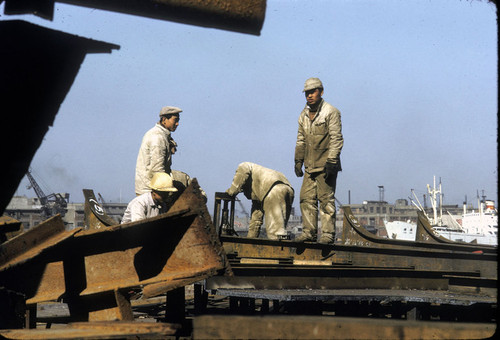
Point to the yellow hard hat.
(162, 181)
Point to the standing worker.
(318, 147)
(157, 201)
(155, 154)
(271, 195)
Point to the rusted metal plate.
(97, 330)
(34, 242)
(156, 254)
(9, 228)
(9, 224)
(45, 79)
(234, 15)
(325, 327)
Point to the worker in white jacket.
(271, 195)
(155, 154)
(153, 203)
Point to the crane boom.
(51, 204)
(39, 192)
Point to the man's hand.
(298, 169)
(331, 168)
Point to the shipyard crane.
(52, 204)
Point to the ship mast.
(433, 193)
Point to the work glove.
(298, 169)
(331, 168)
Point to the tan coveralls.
(154, 156)
(271, 195)
(318, 140)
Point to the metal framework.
(362, 268)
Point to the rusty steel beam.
(45, 79)
(94, 268)
(244, 16)
(361, 260)
(9, 227)
(34, 242)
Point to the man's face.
(172, 123)
(160, 197)
(313, 97)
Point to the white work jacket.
(154, 156)
(142, 207)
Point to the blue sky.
(415, 81)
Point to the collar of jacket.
(320, 105)
(151, 201)
(163, 129)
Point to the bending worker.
(157, 147)
(153, 203)
(271, 195)
(318, 147)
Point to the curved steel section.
(95, 215)
(354, 234)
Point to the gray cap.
(169, 110)
(312, 83)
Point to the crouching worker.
(182, 181)
(271, 195)
(153, 203)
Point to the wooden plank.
(97, 330)
(326, 327)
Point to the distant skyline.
(415, 81)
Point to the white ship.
(401, 230)
(479, 226)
